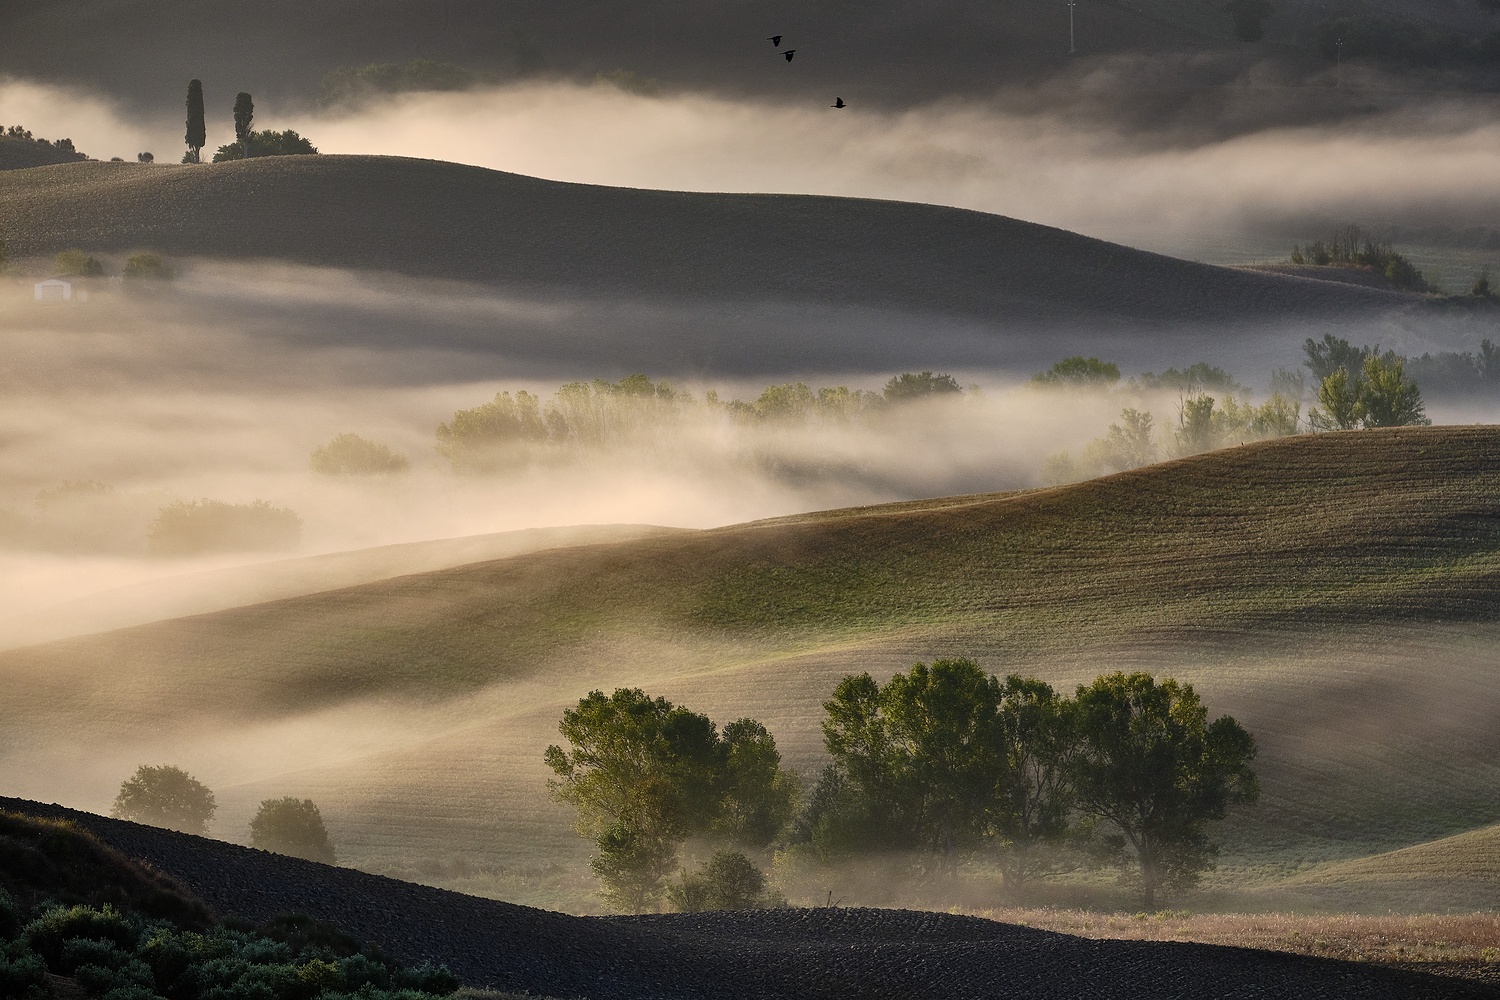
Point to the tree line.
(247, 141)
(168, 796)
(600, 413)
(942, 762)
(1354, 387)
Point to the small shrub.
(352, 455)
(214, 526)
(49, 934)
(147, 267)
(727, 881)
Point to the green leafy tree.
(1079, 372)
(1129, 444)
(165, 796)
(1039, 742)
(917, 760)
(1151, 764)
(757, 796)
(909, 386)
(292, 826)
(482, 438)
(1339, 396)
(197, 129)
(351, 455)
(1387, 396)
(644, 775)
(1332, 353)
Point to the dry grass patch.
(1448, 942)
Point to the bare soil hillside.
(430, 218)
(801, 953)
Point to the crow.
(838, 102)
(775, 40)
(789, 53)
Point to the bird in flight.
(838, 102)
(789, 53)
(775, 40)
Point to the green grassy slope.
(1337, 593)
(440, 219)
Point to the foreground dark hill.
(435, 219)
(833, 952)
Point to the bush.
(77, 264)
(266, 143)
(727, 881)
(214, 526)
(352, 455)
(165, 796)
(147, 267)
(51, 934)
(292, 826)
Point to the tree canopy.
(1150, 763)
(644, 775)
(292, 826)
(165, 796)
(1080, 373)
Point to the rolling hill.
(442, 220)
(1336, 593)
(816, 952)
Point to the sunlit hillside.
(1335, 592)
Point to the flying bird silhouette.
(775, 40)
(789, 53)
(838, 102)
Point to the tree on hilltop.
(165, 796)
(197, 129)
(292, 826)
(244, 116)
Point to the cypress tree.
(244, 114)
(197, 132)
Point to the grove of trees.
(943, 762)
(349, 454)
(512, 427)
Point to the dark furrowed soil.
(786, 953)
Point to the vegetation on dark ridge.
(78, 916)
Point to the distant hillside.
(430, 218)
(1308, 586)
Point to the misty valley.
(774, 500)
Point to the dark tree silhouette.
(244, 116)
(197, 131)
